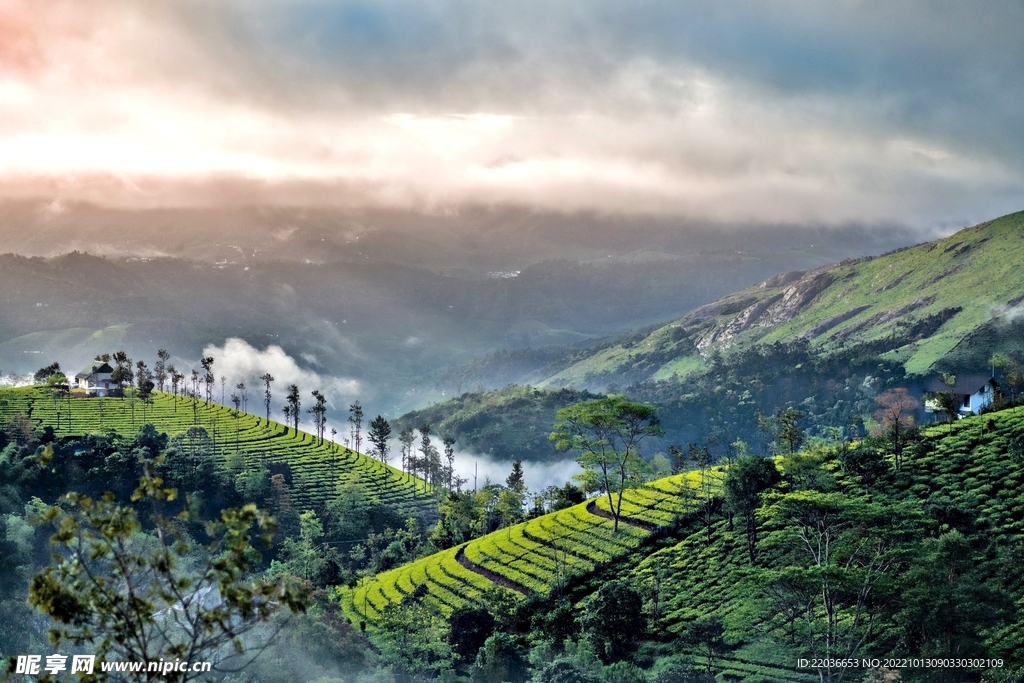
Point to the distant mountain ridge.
(916, 304)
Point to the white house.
(95, 378)
(974, 392)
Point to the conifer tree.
(267, 378)
(380, 431)
(355, 418)
(160, 370)
(294, 405)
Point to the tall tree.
(294, 404)
(243, 394)
(319, 413)
(355, 418)
(267, 379)
(449, 454)
(790, 433)
(122, 373)
(176, 378)
(160, 370)
(897, 416)
(144, 388)
(407, 437)
(513, 498)
(428, 454)
(607, 433)
(516, 480)
(746, 480)
(237, 401)
(701, 458)
(380, 432)
(58, 385)
(207, 363)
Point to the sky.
(796, 112)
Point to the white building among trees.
(95, 379)
(973, 393)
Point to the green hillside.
(316, 469)
(915, 304)
(530, 558)
(936, 546)
(964, 479)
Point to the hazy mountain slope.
(926, 299)
(506, 424)
(395, 328)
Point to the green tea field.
(317, 469)
(533, 557)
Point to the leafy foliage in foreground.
(135, 597)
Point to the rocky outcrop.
(795, 297)
(782, 279)
(772, 310)
(948, 271)
(895, 282)
(823, 327)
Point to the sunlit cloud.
(813, 115)
(238, 361)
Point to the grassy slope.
(971, 465)
(316, 469)
(966, 466)
(977, 270)
(538, 555)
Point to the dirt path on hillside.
(505, 582)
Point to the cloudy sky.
(796, 112)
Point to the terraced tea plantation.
(533, 557)
(316, 468)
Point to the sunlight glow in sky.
(789, 112)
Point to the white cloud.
(806, 113)
(538, 475)
(240, 362)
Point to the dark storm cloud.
(947, 67)
(740, 111)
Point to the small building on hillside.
(95, 379)
(974, 392)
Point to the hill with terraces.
(958, 491)
(532, 558)
(316, 467)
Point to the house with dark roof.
(974, 392)
(95, 379)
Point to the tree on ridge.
(607, 433)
